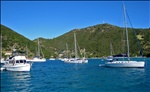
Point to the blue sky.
(50, 19)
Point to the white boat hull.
(64, 59)
(2, 68)
(126, 64)
(37, 60)
(3, 62)
(109, 58)
(76, 61)
(73, 61)
(85, 61)
(19, 67)
(52, 59)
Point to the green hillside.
(95, 39)
(11, 39)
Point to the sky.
(50, 19)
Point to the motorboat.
(17, 63)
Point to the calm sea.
(57, 76)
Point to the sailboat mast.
(75, 42)
(38, 48)
(67, 49)
(1, 46)
(110, 49)
(84, 52)
(42, 53)
(126, 31)
(27, 51)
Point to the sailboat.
(111, 53)
(85, 60)
(52, 58)
(37, 57)
(76, 59)
(66, 58)
(126, 63)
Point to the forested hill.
(95, 39)
(12, 39)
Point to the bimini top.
(121, 55)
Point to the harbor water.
(57, 76)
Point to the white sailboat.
(126, 63)
(37, 57)
(76, 59)
(18, 62)
(66, 58)
(85, 60)
(51, 58)
(111, 53)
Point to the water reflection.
(19, 81)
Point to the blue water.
(57, 76)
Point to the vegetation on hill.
(12, 40)
(95, 39)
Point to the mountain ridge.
(95, 39)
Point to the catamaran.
(126, 63)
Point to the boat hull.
(22, 67)
(3, 62)
(85, 61)
(126, 64)
(37, 60)
(52, 59)
(76, 61)
(109, 58)
(73, 61)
